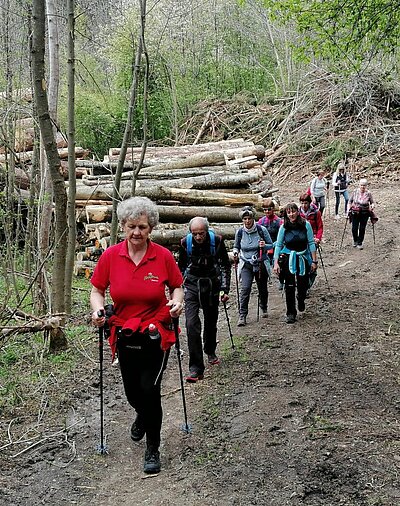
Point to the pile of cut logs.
(22, 155)
(213, 180)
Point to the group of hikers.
(149, 289)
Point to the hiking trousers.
(142, 361)
(293, 281)
(247, 275)
(358, 226)
(195, 301)
(320, 202)
(337, 202)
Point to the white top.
(318, 187)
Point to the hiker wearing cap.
(361, 205)
(295, 256)
(252, 242)
(318, 188)
(340, 182)
(204, 262)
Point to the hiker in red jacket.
(137, 273)
(312, 214)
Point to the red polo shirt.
(137, 291)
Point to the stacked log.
(23, 162)
(213, 180)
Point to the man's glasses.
(268, 208)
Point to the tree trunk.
(167, 152)
(97, 214)
(60, 196)
(160, 193)
(215, 180)
(210, 158)
(69, 265)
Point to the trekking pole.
(101, 448)
(344, 231)
(373, 232)
(323, 266)
(185, 427)
(258, 289)
(236, 279)
(228, 322)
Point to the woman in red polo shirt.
(137, 273)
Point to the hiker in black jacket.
(204, 263)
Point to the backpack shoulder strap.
(260, 232)
(189, 243)
(212, 242)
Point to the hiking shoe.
(337, 217)
(152, 463)
(137, 430)
(242, 321)
(355, 245)
(194, 377)
(213, 360)
(290, 318)
(360, 246)
(301, 305)
(264, 313)
(281, 286)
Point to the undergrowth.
(34, 384)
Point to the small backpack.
(189, 243)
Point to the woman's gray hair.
(133, 208)
(363, 181)
(199, 218)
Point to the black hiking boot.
(137, 430)
(290, 318)
(301, 305)
(152, 463)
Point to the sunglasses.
(268, 208)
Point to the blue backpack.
(189, 243)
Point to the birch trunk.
(60, 196)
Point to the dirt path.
(304, 414)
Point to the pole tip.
(186, 428)
(102, 449)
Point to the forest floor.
(303, 414)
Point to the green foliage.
(99, 121)
(208, 68)
(348, 33)
(239, 353)
(340, 150)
